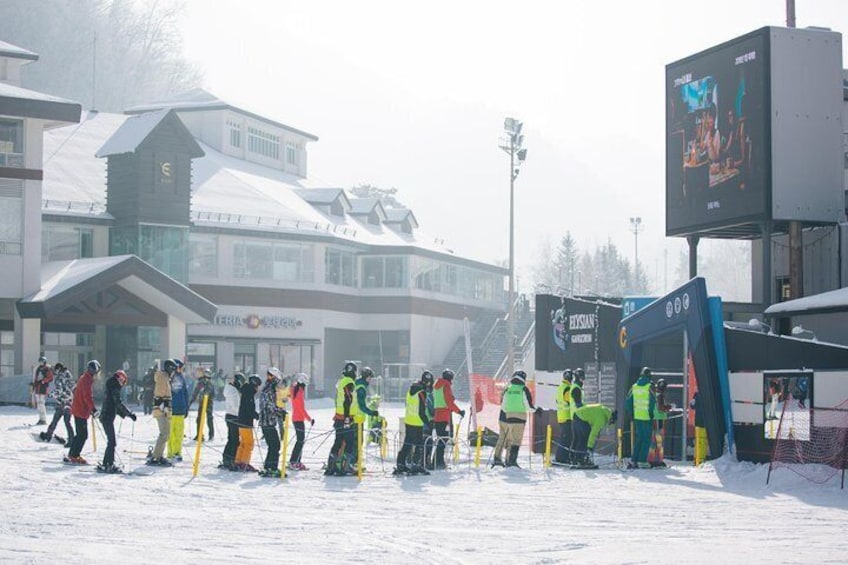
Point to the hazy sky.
(413, 96)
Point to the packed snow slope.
(722, 512)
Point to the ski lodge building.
(190, 228)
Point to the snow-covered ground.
(720, 513)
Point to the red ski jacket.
(298, 398)
(444, 414)
(83, 403)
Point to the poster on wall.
(717, 138)
(787, 405)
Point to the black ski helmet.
(366, 373)
(568, 375)
(238, 379)
(448, 375)
(427, 378)
(349, 369)
(169, 366)
(58, 366)
(520, 375)
(255, 381)
(579, 375)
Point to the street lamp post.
(636, 227)
(512, 143)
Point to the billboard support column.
(767, 275)
(796, 260)
(693, 240)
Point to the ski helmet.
(274, 372)
(568, 375)
(520, 375)
(448, 375)
(238, 379)
(579, 375)
(255, 380)
(58, 366)
(121, 377)
(661, 385)
(178, 363)
(366, 373)
(427, 378)
(302, 378)
(93, 367)
(42, 360)
(349, 369)
(169, 366)
(645, 372)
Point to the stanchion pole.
(620, 449)
(384, 442)
(479, 446)
(283, 468)
(548, 435)
(93, 434)
(200, 427)
(359, 454)
(456, 442)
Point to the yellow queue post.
(548, 436)
(478, 447)
(384, 444)
(93, 433)
(456, 442)
(359, 454)
(620, 434)
(285, 446)
(200, 428)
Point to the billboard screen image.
(717, 116)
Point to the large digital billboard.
(718, 139)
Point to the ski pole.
(132, 442)
(327, 435)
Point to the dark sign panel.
(717, 138)
(571, 333)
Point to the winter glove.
(376, 414)
(347, 421)
(462, 413)
(312, 422)
(94, 412)
(133, 417)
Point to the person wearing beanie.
(641, 403)
(232, 400)
(113, 406)
(444, 406)
(247, 415)
(563, 407)
(62, 394)
(515, 402)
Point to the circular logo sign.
(669, 309)
(677, 305)
(686, 301)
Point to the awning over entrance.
(831, 302)
(119, 289)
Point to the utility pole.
(796, 234)
(635, 227)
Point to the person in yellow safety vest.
(656, 453)
(444, 405)
(360, 391)
(576, 394)
(339, 461)
(410, 459)
(563, 407)
(641, 404)
(515, 403)
(588, 421)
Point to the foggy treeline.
(566, 269)
(134, 45)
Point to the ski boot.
(44, 436)
(418, 470)
(330, 468)
(270, 473)
(401, 470)
(111, 469)
(512, 460)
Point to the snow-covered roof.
(131, 133)
(321, 195)
(25, 103)
(15, 52)
(199, 99)
(11, 91)
(366, 206)
(830, 302)
(227, 192)
(400, 215)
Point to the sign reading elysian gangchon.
(255, 321)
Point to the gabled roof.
(25, 103)
(367, 206)
(199, 100)
(137, 129)
(400, 215)
(15, 52)
(324, 196)
(65, 283)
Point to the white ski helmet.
(302, 378)
(274, 372)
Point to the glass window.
(278, 261)
(203, 254)
(263, 143)
(166, 248)
(396, 272)
(291, 153)
(65, 243)
(372, 272)
(428, 275)
(11, 225)
(339, 265)
(384, 272)
(7, 362)
(11, 143)
(235, 132)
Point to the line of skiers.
(579, 424)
